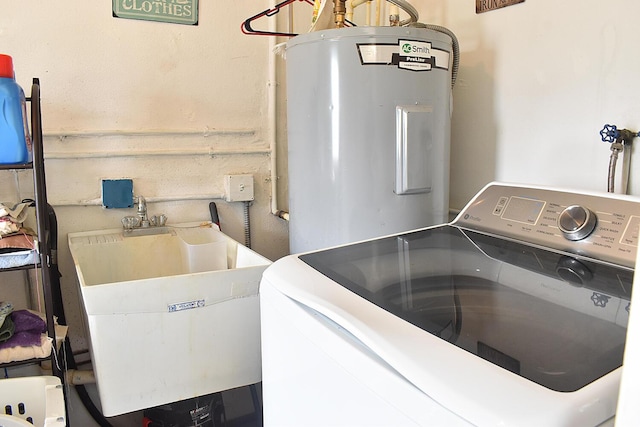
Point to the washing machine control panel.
(599, 226)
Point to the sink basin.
(170, 316)
(111, 256)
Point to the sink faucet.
(142, 220)
(142, 212)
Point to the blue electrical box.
(117, 193)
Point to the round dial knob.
(573, 271)
(576, 222)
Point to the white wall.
(537, 82)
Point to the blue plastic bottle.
(15, 140)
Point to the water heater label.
(406, 54)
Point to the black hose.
(56, 292)
(58, 309)
(213, 211)
(83, 394)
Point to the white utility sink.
(170, 316)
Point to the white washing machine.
(514, 314)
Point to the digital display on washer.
(546, 316)
(523, 210)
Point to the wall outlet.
(238, 188)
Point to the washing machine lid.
(543, 315)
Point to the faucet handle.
(158, 220)
(129, 222)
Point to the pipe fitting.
(339, 10)
(77, 377)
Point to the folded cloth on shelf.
(23, 239)
(8, 226)
(6, 324)
(39, 351)
(12, 215)
(28, 328)
(5, 310)
(7, 329)
(15, 211)
(17, 258)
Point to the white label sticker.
(377, 53)
(186, 305)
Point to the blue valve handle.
(609, 133)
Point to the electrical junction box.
(117, 193)
(238, 188)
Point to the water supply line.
(351, 5)
(402, 4)
(620, 141)
(410, 10)
(394, 16)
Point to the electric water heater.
(369, 117)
